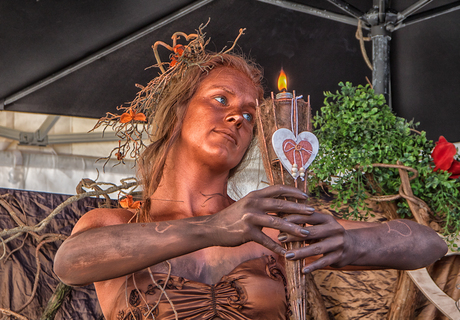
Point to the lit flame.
(282, 81)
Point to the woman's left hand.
(397, 244)
(327, 237)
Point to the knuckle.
(317, 249)
(247, 217)
(283, 189)
(279, 204)
(341, 230)
(321, 263)
(273, 220)
(252, 202)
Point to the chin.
(223, 158)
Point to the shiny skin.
(203, 233)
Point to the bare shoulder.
(102, 217)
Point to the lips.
(229, 135)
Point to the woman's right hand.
(243, 221)
(97, 252)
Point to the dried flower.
(128, 203)
(443, 156)
(131, 115)
(178, 50)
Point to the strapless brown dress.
(255, 289)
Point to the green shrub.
(356, 129)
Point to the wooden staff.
(305, 299)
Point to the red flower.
(443, 156)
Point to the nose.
(236, 119)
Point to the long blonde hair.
(170, 113)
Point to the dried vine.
(33, 230)
(21, 229)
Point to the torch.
(288, 148)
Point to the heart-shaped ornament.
(300, 150)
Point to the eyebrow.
(230, 91)
(252, 106)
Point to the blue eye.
(221, 100)
(247, 116)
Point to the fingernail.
(283, 252)
(305, 232)
(282, 237)
(305, 195)
(289, 255)
(306, 270)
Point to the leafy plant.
(356, 129)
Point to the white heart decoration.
(291, 149)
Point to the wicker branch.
(16, 232)
(8, 312)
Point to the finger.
(315, 218)
(279, 191)
(320, 225)
(324, 261)
(285, 237)
(280, 205)
(326, 246)
(274, 222)
(298, 218)
(268, 243)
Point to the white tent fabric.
(56, 173)
(61, 174)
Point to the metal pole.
(46, 126)
(380, 49)
(314, 11)
(429, 14)
(348, 8)
(381, 60)
(413, 8)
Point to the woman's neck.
(187, 189)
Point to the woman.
(197, 254)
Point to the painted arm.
(103, 246)
(399, 244)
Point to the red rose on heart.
(443, 156)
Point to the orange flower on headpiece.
(443, 156)
(128, 203)
(131, 115)
(178, 50)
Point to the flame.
(282, 81)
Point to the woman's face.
(219, 122)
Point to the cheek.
(247, 141)
(249, 133)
